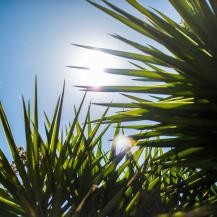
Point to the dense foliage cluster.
(72, 175)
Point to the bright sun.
(96, 62)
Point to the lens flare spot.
(123, 143)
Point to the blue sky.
(35, 40)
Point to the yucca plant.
(69, 174)
(184, 105)
(44, 179)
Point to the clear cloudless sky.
(35, 40)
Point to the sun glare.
(96, 62)
(123, 143)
